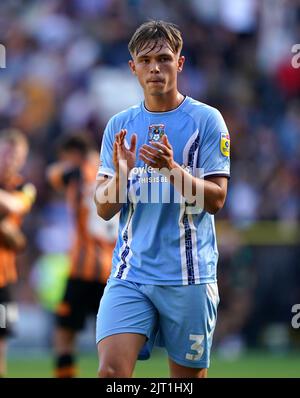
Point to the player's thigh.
(187, 322)
(123, 310)
(72, 311)
(118, 354)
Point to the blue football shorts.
(180, 318)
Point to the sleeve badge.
(225, 144)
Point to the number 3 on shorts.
(198, 339)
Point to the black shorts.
(8, 312)
(81, 299)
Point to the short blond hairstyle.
(154, 32)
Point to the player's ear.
(132, 66)
(181, 60)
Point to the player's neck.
(163, 103)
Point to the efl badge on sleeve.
(225, 144)
(156, 132)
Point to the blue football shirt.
(160, 240)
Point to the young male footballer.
(163, 286)
(91, 251)
(16, 200)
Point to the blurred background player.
(16, 199)
(91, 252)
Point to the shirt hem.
(160, 282)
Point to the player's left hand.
(159, 157)
(29, 192)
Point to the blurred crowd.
(66, 71)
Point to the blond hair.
(155, 32)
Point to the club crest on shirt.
(225, 144)
(156, 131)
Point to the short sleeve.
(106, 166)
(214, 150)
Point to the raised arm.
(60, 173)
(18, 204)
(9, 204)
(212, 191)
(111, 193)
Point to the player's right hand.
(29, 191)
(124, 158)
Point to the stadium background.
(66, 71)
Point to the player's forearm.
(10, 204)
(54, 174)
(110, 196)
(11, 237)
(206, 194)
(60, 174)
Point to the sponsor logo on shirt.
(225, 144)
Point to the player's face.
(12, 158)
(157, 68)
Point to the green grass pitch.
(252, 365)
